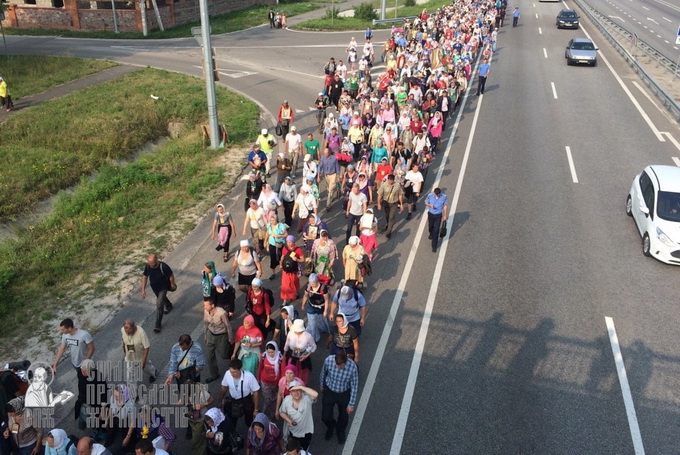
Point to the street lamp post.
(209, 75)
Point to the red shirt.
(416, 125)
(261, 303)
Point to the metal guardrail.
(394, 19)
(599, 20)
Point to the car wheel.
(569, 62)
(646, 245)
(594, 63)
(629, 206)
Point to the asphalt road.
(655, 21)
(497, 343)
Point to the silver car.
(581, 50)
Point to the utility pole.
(115, 19)
(209, 75)
(142, 10)
(382, 9)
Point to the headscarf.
(59, 437)
(206, 281)
(276, 358)
(255, 442)
(344, 318)
(217, 417)
(290, 309)
(252, 333)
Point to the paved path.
(68, 88)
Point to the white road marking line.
(644, 115)
(545, 53)
(554, 90)
(625, 388)
(666, 19)
(400, 429)
(536, 15)
(299, 111)
(666, 41)
(572, 168)
(362, 405)
(677, 161)
(540, 32)
(672, 139)
(644, 7)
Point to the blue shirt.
(437, 202)
(328, 165)
(350, 307)
(484, 69)
(194, 357)
(340, 380)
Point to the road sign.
(677, 38)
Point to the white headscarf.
(59, 437)
(217, 417)
(276, 358)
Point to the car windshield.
(583, 46)
(668, 207)
(568, 15)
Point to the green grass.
(231, 22)
(93, 227)
(29, 74)
(51, 146)
(350, 23)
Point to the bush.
(332, 13)
(365, 12)
(409, 2)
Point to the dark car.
(567, 18)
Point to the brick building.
(98, 15)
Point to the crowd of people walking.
(381, 117)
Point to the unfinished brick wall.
(72, 17)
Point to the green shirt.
(312, 148)
(353, 83)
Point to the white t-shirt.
(78, 344)
(255, 217)
(356, 203)
(306, 204)
(416, 179)
(294, 141)
(247, 382)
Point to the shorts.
(245, 280)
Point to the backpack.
(356, 295)
(72, 441)
(365, 266)
(289, 264)
(268, 293)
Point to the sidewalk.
(68, 88)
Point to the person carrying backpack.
(351, 302)
(259, 303)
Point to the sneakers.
(273, 275)
(388, 235)
(219, 247)
(157, 330)
(409, 216)
(152, 378)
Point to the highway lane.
(654, 21)
(517, 358)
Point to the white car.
(654, 204)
